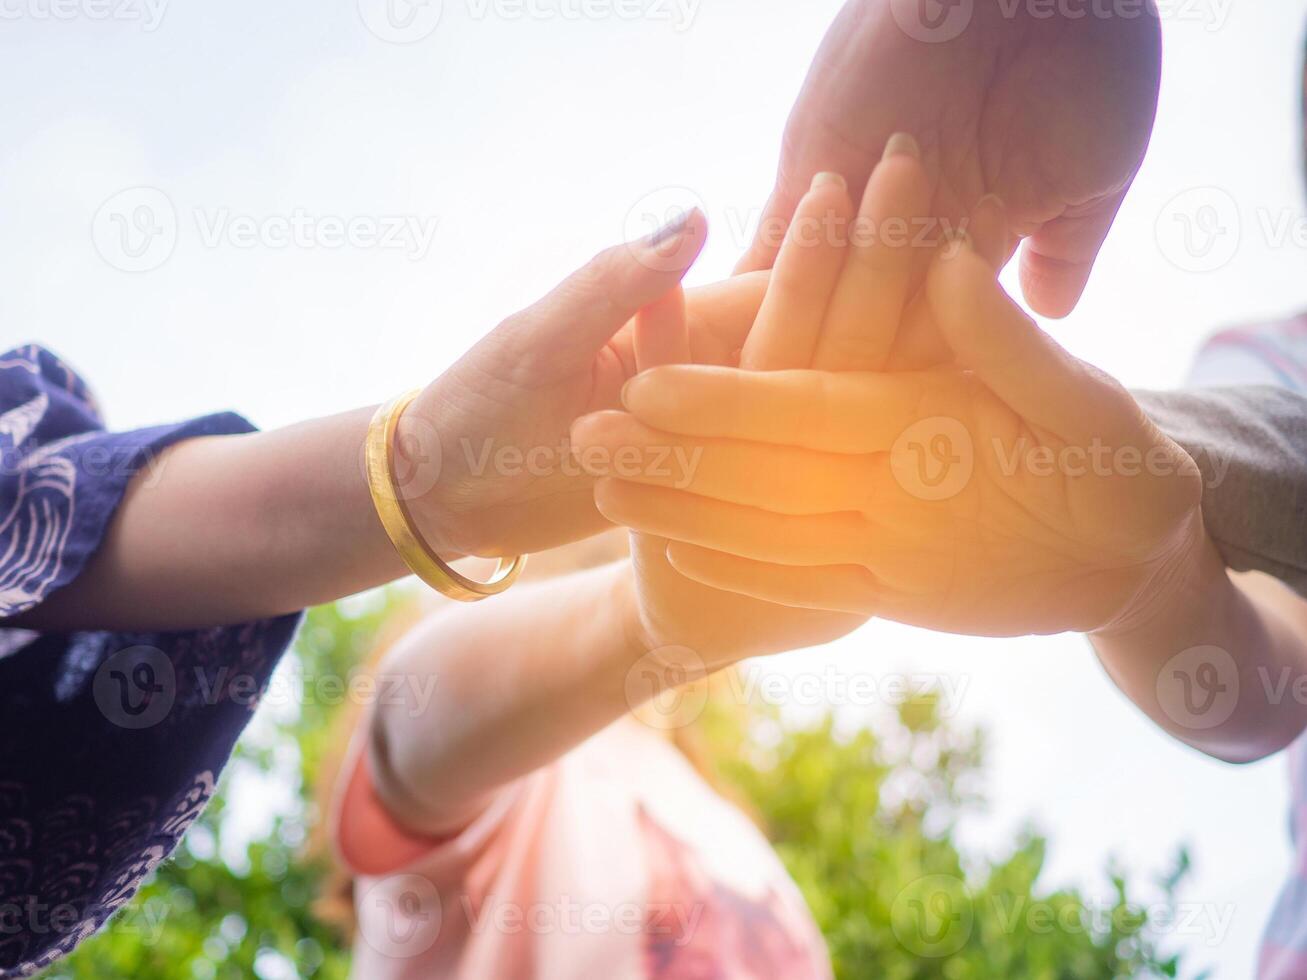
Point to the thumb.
(1022, 365)
(1056, 261)
(571, 324)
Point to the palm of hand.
(1028, 532)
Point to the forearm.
(511, 685)
(1217, 666)
(227, 529)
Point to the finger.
(1057, 259)
(836, 588)
(990, 335)
(720, 316)
(919, 344)
(866, 307)
(783, 479)
(566, 328)
(771, 230)
(661, 333)
(819, 410)
(824, 539)
(789, 322)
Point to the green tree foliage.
(864, 819)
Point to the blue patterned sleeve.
(110, 743)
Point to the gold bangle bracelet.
(388, 498)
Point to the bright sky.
(520, 144)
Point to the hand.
(673, 614)
(1023, 492)
(483, 450)
(1050, 113)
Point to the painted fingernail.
(828, 177)
(672, 230)
(902, 145)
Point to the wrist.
(635, 638)
(1191, 577)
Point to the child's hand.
(670, 611)
(1019, 492)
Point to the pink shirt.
(615, 861)
(1273, 354)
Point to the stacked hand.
(1050, 109)
(688, 625)
(483, 453)
(1015, 490)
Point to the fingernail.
(902, 144)
(673, 229)
(828, 177)
(627, 389)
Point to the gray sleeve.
(1251, 444)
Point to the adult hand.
(1051, 112)
(1023, 493)
(483, 450)
(688, 624)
